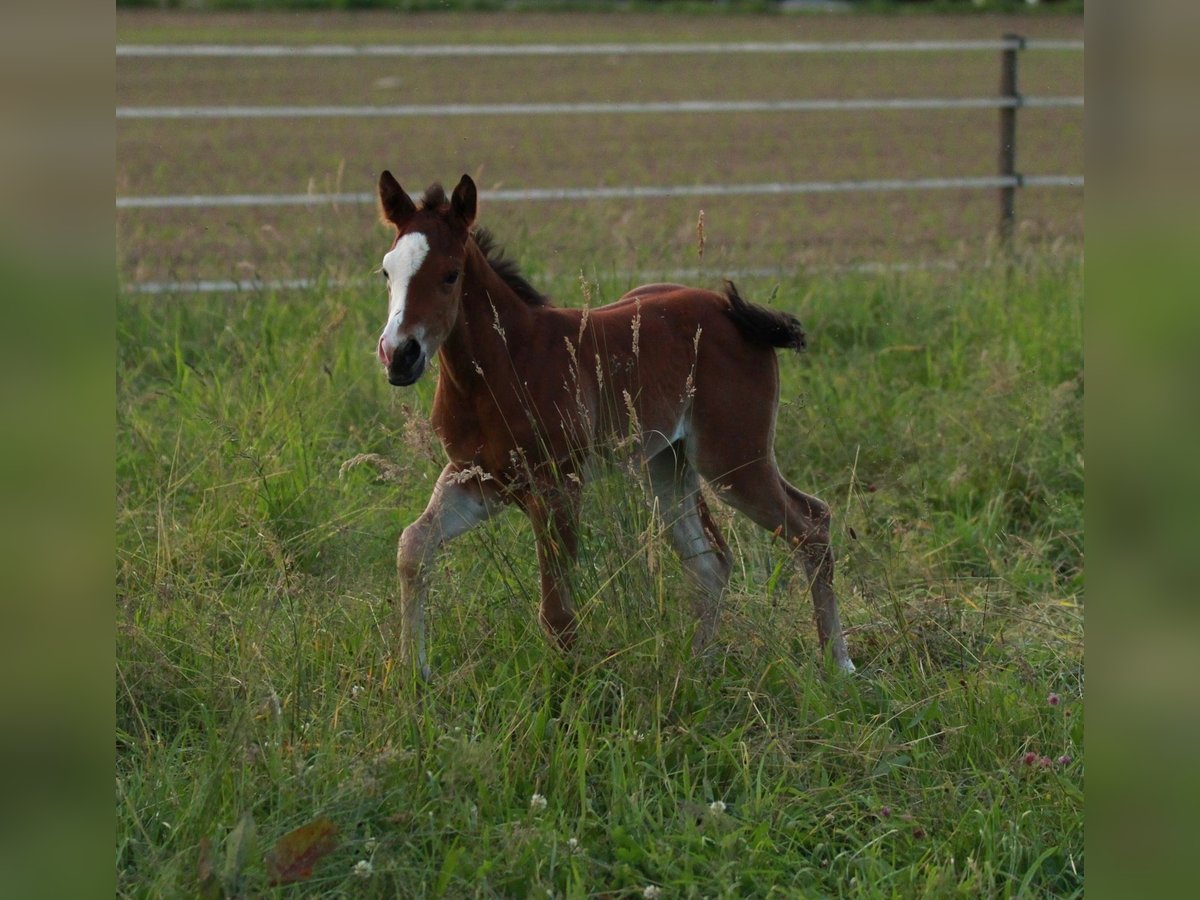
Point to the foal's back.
(662, 359)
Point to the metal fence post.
(1008, 133)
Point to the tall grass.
(939, 414)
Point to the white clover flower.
(651, 892)
(717, 807)
(363, 868)
(537, 803)
(572, 845)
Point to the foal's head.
(423, 271)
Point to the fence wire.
(558, 109)
(615, 49)
(627, 192)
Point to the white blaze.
(401, 263)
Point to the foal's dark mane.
(507, 270)
(435, 198)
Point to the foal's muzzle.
(407, 364)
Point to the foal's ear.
(463, 202)
(395, 206)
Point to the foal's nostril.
(407, 364)
(406, 354)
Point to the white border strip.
(547, 109)
(275, 51)
(198, 201)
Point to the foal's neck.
(492, 320)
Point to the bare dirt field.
(158, 157)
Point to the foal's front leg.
(455, 507)
(554, 513)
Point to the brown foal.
(527, 391)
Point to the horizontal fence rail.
(557, 109)
(991, 182)
(258, 285)
(226, 51)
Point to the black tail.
(762, 325)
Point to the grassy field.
(939, 412)
(940, 416)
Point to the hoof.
(420, 670)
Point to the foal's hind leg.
(694, 536)
(758, 490)
(810, 513)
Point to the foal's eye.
(451, 277)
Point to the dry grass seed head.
(586, 287)
(574, 368)
(689, 386)
(634, 425)
(496, 321)
(418, 437)
(634, 437)
(472, 472)
(636, 326)
(385, 469)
